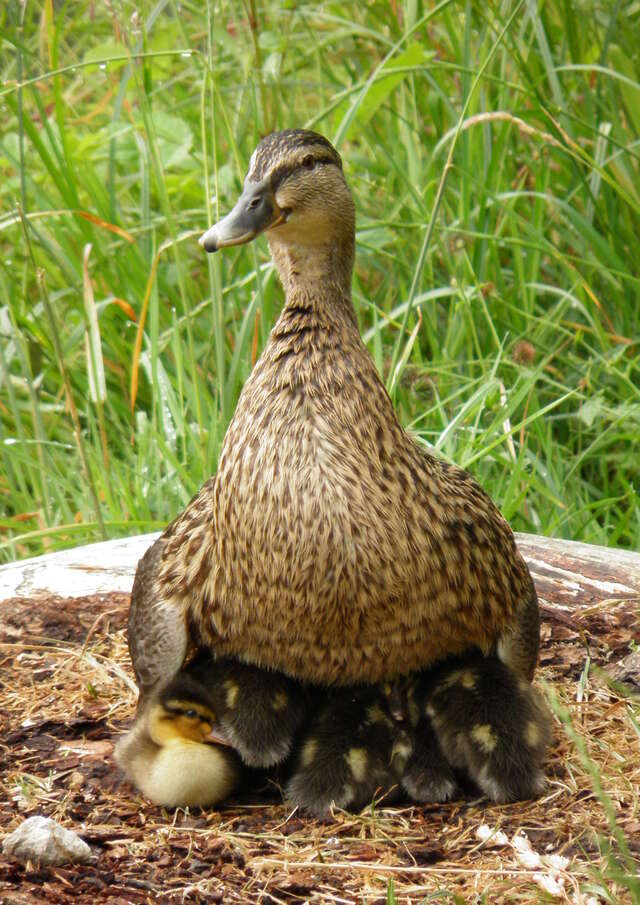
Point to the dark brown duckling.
(329, 545)
(259, 711)
(427, 774)
(492, 725)
(469, 720)
(346, 755)
(367, 742)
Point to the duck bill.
(255, 211)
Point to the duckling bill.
(329, 546)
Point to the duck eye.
(192, 714)
(308, 162)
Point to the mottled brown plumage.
(329, 545)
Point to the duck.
(175, 753)
(468, 723)
(361, 749)
(329, 546)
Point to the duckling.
(168, 755)
(259, 711)
(467, 720)
(351, 752)
(427, 774)
(492, 725)
(369, 741)
(329, 545)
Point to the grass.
(494, 154)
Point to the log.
(589, 595)
(568, 575)
(92, 569)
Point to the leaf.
(93, 342)
(591, 409)
(272, 66)
(174, 138)
(389, 77)
(110, 54)
(385, 81)
(110, 227)
(630, 94)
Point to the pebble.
(45, 842)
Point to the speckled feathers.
(286, 147)
(329, 545)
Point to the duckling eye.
(308, 162)
(192, 714)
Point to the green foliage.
(494, 154)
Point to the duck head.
(295, 192)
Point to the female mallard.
(175, 753)
(329, 545)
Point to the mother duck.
(329, 545)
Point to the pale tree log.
(590, 594)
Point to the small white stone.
(43, 841)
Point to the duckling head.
(296, 193)
(183, 713)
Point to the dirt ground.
(66, 691)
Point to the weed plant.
(494, 153)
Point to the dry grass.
(67, 691)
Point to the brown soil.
(66, 691)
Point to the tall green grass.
(494, 154)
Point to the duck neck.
(317, 277)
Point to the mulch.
(66, 692)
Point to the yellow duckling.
(174, 754)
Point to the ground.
(67, 691)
